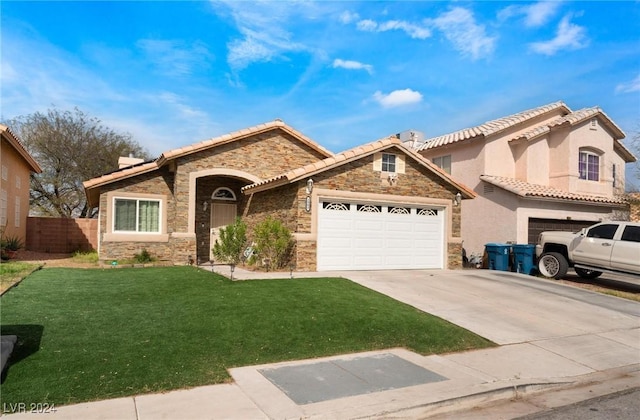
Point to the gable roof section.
(350, 156)
(543, 192)
(197, 147)
(15, 142)
(492, 127)
(578, 117)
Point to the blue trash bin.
(498, 256)
(524, 257)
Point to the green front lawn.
(88, 334)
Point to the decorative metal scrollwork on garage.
(336, 206)
(399, 210)
(368, 208)
(427, 212)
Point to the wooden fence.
(60, 235)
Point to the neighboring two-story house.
(547, 168)
(17, 166)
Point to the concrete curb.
(471, 400)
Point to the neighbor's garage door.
(536, 226)
(362, 236)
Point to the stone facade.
(287, 203)
(263, 155)
(634, 207)
(185, 186)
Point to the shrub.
(143, 257)
(230, 246)
(273, 243)
(12, 243)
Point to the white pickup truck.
(606, 246)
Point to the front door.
(222, 214)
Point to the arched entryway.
(219, 203)
(224, 210)
(216, 200)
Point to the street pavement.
(558, 345)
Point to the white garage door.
(361, 236)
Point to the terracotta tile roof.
(577, 117)
(236, 135)
(573, 118)
(193, 148)
(491, 127)
(349, 156)
(15, 142)
(524, 189)
(322, 165)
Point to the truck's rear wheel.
(553, 265)
(587, 274)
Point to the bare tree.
(71, 147)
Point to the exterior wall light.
(307, 204)
(309, 186)
(458, 199)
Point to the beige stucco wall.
(500, 156)
(601, 139)
(490, 217)
(16, 185)
(551, 159)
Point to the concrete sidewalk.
(582, 359)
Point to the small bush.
(143, 257)
(273, 243)
(230, 246)
(11, 243)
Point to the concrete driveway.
(509, 308)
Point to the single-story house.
(377, 206)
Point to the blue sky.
(344, 73)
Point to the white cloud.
(535, 15)
(629, 87)
(263, 27)
(174, 58)
(397, 98)
(352, 65)
(569, 36)
(460, 28)
(348, 17)
(414, 31)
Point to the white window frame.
(5, 173)
(390, 162)
(137, 200)
(587, 172)
(4, 205)
(16, 216)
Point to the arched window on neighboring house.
(223, 193)
(589, 164)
